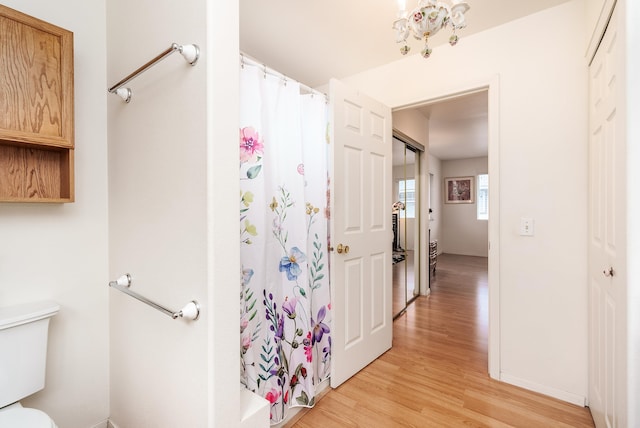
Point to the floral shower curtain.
(284, 298)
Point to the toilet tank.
(23, 345)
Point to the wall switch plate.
(526, 226)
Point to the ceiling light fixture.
(427, 19)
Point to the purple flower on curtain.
(319, 328)
(250, 145)
(290, 264)
(280, 331)
(289, 307)
(277, 370)
(327, 349)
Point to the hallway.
(436, 373)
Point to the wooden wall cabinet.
(36, 110)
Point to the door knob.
(342, 248)
(608, 273)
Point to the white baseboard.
(323, 385)
(569, 397)
(104, 424)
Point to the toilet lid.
(25, 418)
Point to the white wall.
(171, 154)
(227, 403)
(158, 216)
(59, 251)
(413, 124)
(435, 168)
(462, 232)
(542, 133)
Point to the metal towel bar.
(191, 53)
(190, 311)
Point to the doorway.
(432, 196)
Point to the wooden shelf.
(36, 110)
(35, 174)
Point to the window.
(483, 197)
(407, 194)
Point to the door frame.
(492, 86)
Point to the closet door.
(399, 267)
(406, 212)
(607, 235)
(361, 233)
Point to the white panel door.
(607, 230)
(361, 234)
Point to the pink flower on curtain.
(273, 395)
(308, 348)
(246, 342)
(251, 145)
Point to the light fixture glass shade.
(427, 19)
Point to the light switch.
(526, 226)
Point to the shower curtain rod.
(247, 60)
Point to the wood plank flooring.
(436, 373)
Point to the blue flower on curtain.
(289, 264)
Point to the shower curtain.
(285, 309)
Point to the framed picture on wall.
(458, 190)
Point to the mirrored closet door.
(405, 223)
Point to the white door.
(607, 230)
(361, 234)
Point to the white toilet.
(23, 341)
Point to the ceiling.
(314, 40)
(458, 127)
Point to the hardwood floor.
(436, 373)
